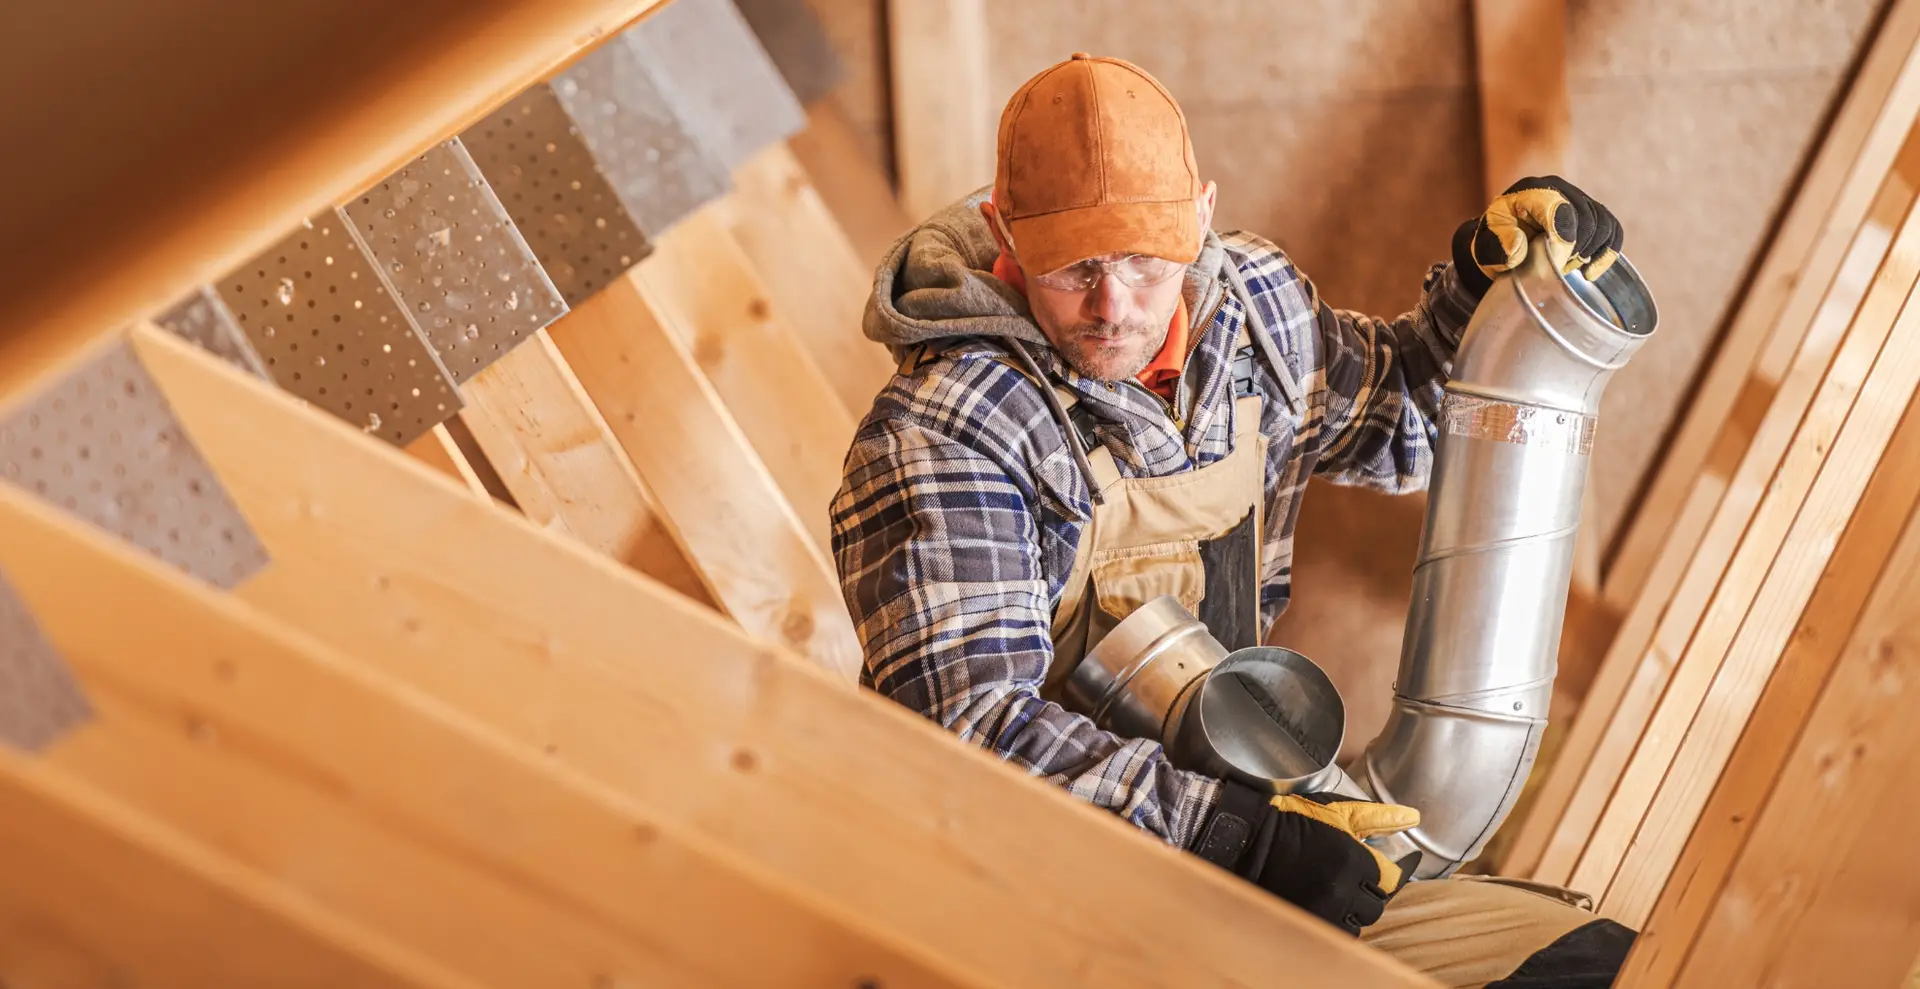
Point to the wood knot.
(709, 349)
(758, 308)
(797, 627)
(745, 761)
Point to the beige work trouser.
(1469, 932)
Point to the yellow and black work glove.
(1307, 849)
(1581, 233)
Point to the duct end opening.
(1619, 296)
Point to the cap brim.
(1052, 241)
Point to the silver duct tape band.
(40, 700)
(1507, 422)
(103, 444)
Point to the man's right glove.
(1580, 232)
(1308, 850)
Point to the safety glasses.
(1133, 271)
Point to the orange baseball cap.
(1094, 159)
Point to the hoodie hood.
(937, 283)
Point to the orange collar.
(1163, 372)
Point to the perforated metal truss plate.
(203, 319)
(321, 317)
(626, 113)
(454, 259)
(726, 87)
(103, 444)
(39, 698)
(797, 42)
(546, 177)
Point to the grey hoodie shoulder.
(936, 282)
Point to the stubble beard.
(1106, 363)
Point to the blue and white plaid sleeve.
(1374, 385)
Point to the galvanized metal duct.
(1496, 553)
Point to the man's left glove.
(1580, 232)
(1310, 850)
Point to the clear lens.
(1134, 271)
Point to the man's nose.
(1109, 300)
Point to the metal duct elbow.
(1496, 552)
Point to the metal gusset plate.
(454, 260)
(40, 700)
(625, 112)
(797, 42)
(322, 318)
(103, 444)
(201, 318)
(725, 86)
(547, 179)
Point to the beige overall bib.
(1195, 535)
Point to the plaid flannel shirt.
(961, 508)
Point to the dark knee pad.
(1587, 957)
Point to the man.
(1100, 401)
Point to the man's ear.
(992, 215)
(1203, 205)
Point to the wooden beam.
(1657, 629)
(944, 121)
(1520, 56)
(878, 810)
(853, 184)
(256, 159)
(377, 802)
(763, 565)
(556, 454)
(708, 295)
(1825, 593)
(811, 272)
(99, 895)
(1812, 249)
(1781, 551)
(437, 450)
(1816, 888)
(1872, 544)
